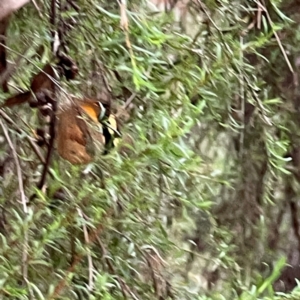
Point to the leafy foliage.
(201, 204)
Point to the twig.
(53, 23)
(124, 287)
(75, 6)
(78, 257)
(276, 36)
(90, 261)
(242, 97)
(214, 24)
(125, 26)
(23, 199)
(37, 8)
(267, 121)
(125, 90)
(19, 171)
(149, 263)
(111, 267)
(294, 215)
(129, 100)
(52, 127)
(41, 70)
(258, 22)
(18, 130)
(3, 62)
(11, 68)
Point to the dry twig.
(277, 37)
(23, 200)
(90, 260)
(18, 130)
(78, 257)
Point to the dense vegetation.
(199, 200)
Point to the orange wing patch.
(92, 109)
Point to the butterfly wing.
(74, 142)
(76, 136)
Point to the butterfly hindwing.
(73, 137)
(78, 132)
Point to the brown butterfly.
(76, 136)
(81, 123)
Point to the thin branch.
(78, 257)
(277, 37)
(294, 215)
(18, 130)
(129, 100)
(259, 14)
(19, 171)
(53, 23)
(3, 61)
(37, 8)
(149, 263)
(52, 133)
(41, 70)
(90, 260)
(23, 199)
(111, 268)
(11, 68)
(242, 97)
(125, 26)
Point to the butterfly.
(81, 125)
